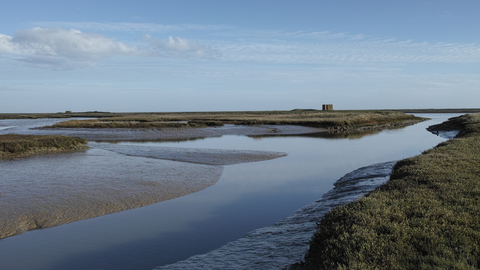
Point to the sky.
(237, 55)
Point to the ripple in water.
(286, 242)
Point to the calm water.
(248, 196)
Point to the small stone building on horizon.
(327, 107)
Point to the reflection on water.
(325, 135)
(284, 243)
(247, 197)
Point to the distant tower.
(327, 107)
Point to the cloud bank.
(57, 46)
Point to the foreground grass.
(313, 118)
(427, 216)
(14, 145)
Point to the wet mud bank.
(191, 155)
(153, 134)
(50, 190)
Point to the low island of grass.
(14, 145)
(427, 216)
(312, 118)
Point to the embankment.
(425, 217)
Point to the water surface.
(247, 196)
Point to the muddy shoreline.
(168, 134)
(48, 190)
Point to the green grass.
(313, 118)
(14, 145)
(427, 216)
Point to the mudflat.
(53, 189)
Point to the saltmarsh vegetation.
(313, 118)
(427, 216)
(14, 145)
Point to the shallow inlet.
(247, 196)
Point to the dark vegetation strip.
(14, 145)
(312, 118)
(427, 216)
(138, 123)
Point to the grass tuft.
(14, 145)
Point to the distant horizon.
(97, 111)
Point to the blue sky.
(134, 56)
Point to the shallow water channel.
(247, 196)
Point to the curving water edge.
(286, 242)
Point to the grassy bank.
(312, 118)
(14, 145)
(427, 216)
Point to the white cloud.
(58, 47)
(54, 47)
(61, 48)
(179, 47)
(67, 43)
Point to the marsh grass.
(123, 122)
(427, 216)
(311, 118)
(14, 145)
